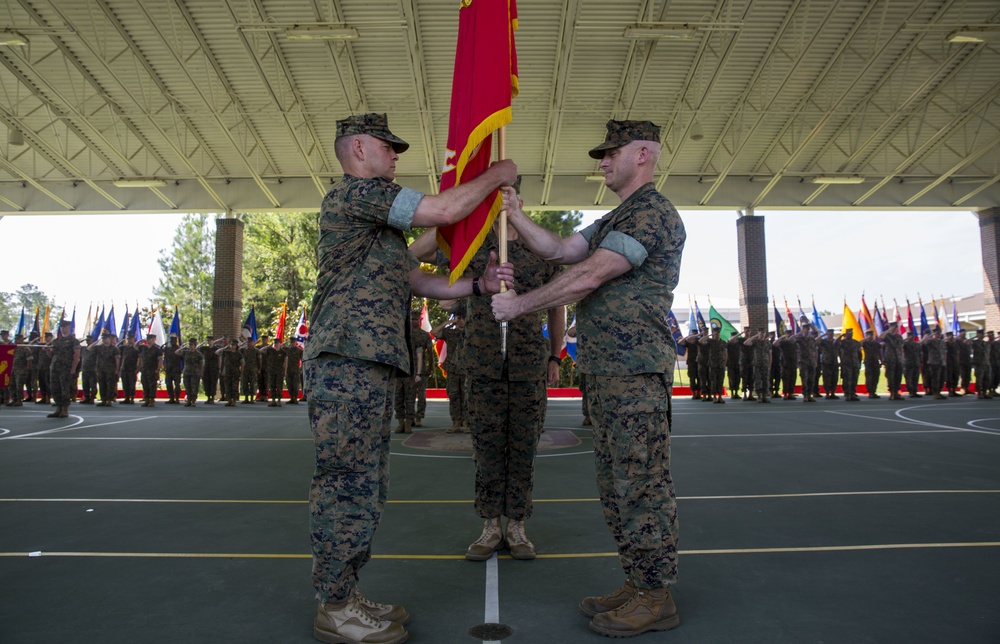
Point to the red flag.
(6, 363)
(280, 333)
(484, 82)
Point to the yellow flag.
(851, 322)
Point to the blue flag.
(692, 323)
(135, 329)
(779, 323)
(956, 328)
(95, 333)
(72, 323)
(175, 326)
(701, 321)
(817, 320)
(20, 325)
(109, 324)
(250, 326)
(675, 331)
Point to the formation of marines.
(762, 365)
(105, 372)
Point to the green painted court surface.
(875, 522)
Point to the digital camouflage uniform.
(191, 372)
(60, 370)
(422, 343)
(454, 369)
(251, 366)
(691, 359)
(32, 383)
(107, 371)
(149, 367)
(850, 361)
(359, 337)
(892, 350)
(88, 367)
(232, 361)
(775, 369)
(130, 366)
(172, 371)
(20, 373)
(951, 368)
(44, 383)
(761, 357)
(405, 392)
(934, 357)
(274, 364)
(789, 361)
(964, 362)
(210, 375)
(714, 351)
(828, 364)
(626, 350)
(981, 364)
(808, 353)
(746, 367)
(911, 365)
(507, 410)
(873, 364)
(734, 347)
(293, 372)
(704, 361)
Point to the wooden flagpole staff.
(502, 234)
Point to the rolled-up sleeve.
(403, 208)
(626, 246)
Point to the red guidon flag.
(6, 364)
(484, 83)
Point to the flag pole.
(502, 154)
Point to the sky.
(84, 259)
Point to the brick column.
(227, 300)
(989, 235)
(752, 253)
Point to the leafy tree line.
(27, 296)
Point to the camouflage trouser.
(231, 385)
(63, 386)
(984, 376)
(849, 376)
(932, 379)
(249, 382)
(292, 382)
(128, 383)
(192, 383)
(704, 379)
(275, 381)
(89, 384)
(350, 409)
(150, 383)
(693, 379)
(830, 377)
(734, 378)
(807, 374)
(421, 389)
(762, 379)
(788, 374)
(405, 391)
(107, 381)
(456, 398)
(631, 417)
(716, 375)
(872, 374)
(912, 379)
(746, 375)
(19, 382)
(775, 377)
(44, 388)
(893, 377)
(966, 374)
(583, 396)
(210, 380)
(505, 418)
(173, 379)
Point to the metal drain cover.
(491, 632)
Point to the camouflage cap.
(622, 132)
(376, 125)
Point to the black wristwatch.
(555, 359)
(475, 287)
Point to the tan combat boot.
(517, 541)
(57, 413)
(347, 621)
(391, 612)
(591, 606)
(649, 609)
(488, 542)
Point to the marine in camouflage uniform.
(911, 364)
(828, 362)
(193, 365)
(20, 371)
(172, 370)
(704, 362)
(892, 351)
(453, 335)
(760, 347)
(714, 349)
(274, 358)
(981, 363)
(808, 358)
(130, 366)
(65, 353)
(108, 365)
(359, 334)
(507, 413)
(248, 379)
(293, 370)
(964, 362)
(873, 362)
(232, 363)
(262, 387)
(150, 363)
(734, 348)
(88, 366)
(952, 370)
(424, 345)
(849, 350)
(406, 386)
(934, 352)
(746, 365)
(210, 373)
(789, 361)
(44, 365)
(627, 351)
(691, 359)
(776, 367)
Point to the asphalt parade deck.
(875, 521)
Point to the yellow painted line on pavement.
(574, 555)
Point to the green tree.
(561, 222)
(279, 264)
(188, 275)
(28, 296)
